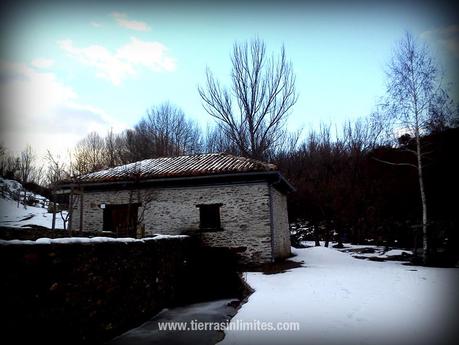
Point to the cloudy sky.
(68, 68)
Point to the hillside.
(16, 214)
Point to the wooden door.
(121, 219)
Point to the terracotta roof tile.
(180, 166)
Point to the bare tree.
(362, 134)
(90, 154)
(56, 170)
(38, 176)
(217, 141)
(121, 148)
(3, 160)
(442, 112)
(26, 164)
(110, 149)
(253, 112)
(412, 89)
(9, 165)
(165, 131)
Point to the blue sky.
(68, 68)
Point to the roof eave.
(284, 184)
(268, 175)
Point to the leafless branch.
(393, 163)
(253, 112)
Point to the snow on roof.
(180, 166)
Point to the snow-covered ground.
(14, 215)
(337, 299)
(11, 189)
(365, 251)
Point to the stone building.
(229, 201)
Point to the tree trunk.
(425, 240)
(316, 236)
(338, 230)
(70, 214)
(53, 224)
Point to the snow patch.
(66, 240)
(12, 215)
(337, 299)
(398, 252)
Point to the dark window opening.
(121, 219)
(209, 217)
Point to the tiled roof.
(180, 166)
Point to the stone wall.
(93, 215)
(245, 214)
(88, 293)
(281, 233)
(35, 232)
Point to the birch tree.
(412, 87)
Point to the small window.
(209, 217)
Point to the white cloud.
(37, 109)
(107, 65)
(121, 19)
(124, 62)
(152, 55)
(27, 92)
(42, 63)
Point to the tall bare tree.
(413, 87)
(26, 164)
(56, 172)
(254, 110)
(57, 169)
(110, 149)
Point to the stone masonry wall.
(93, 219)
(87, 293)
(245, 214)
(281, 234)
